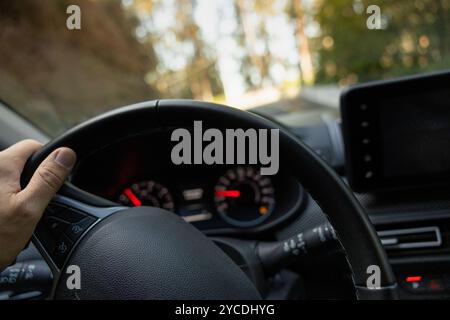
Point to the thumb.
(48, 178)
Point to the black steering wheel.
(149, 253)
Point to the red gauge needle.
(134, 200)
(228, 193)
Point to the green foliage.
(415, 38)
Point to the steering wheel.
(150, 253)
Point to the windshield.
(61, 64)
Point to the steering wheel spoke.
(63, 225)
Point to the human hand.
(21, 209)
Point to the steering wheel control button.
(45, 237)
(69, 215)
(75, 230)
(49, 230)
(62, 249)
(59, 229)
(55, 226)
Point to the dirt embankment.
(58, 77)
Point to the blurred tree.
(251, 63)
(199, 65)
(295, 12)
(182, 38)
(414, 39)
(254, 40)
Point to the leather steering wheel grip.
(355, 231)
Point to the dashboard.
(214, 198)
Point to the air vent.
(413, 238)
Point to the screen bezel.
(361, 104)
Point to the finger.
(48, 178)
(20, 152)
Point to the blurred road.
(312, 105)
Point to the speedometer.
(147, 193)
(243, 197)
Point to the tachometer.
(147, 193)
(243, 197)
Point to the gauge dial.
(147, 193)
(243, 197)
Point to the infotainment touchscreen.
(415, 134)
(397, 133)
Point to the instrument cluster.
(242, 197)
(217, 199)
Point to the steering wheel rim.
(356, 233)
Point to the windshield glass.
(61, 64)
